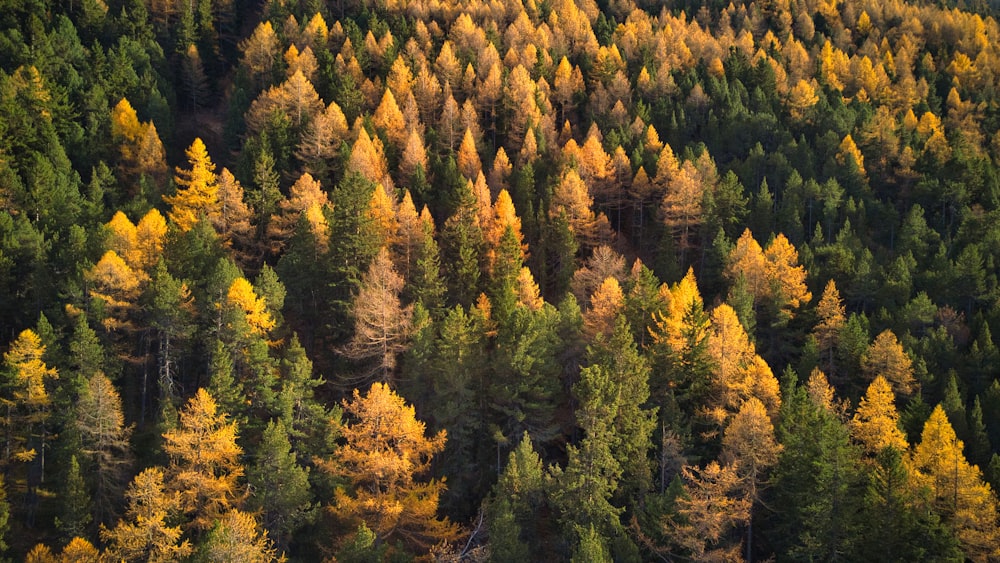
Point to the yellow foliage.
(204, 464)
(876, 423)
(385, 453)
(117, 285)
(787, 279)
(886, 357)
(198, 192)
(957, 490)
(849, 153)
(241, 295)
(145, 534)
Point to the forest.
(499, 280)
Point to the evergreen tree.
(279, 486)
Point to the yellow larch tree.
(117, 286)
(528, 293)
(414, 155)
(368, 157)
(747, 259)
(232, 221)
(605, 305)
(680, 207)
(122, 237)
(384, 457)
(739, 372)
(260, 53)
(197, 195)
(830, 317)
(669, 325)
(887, 358)
(204, 468)
(382, 214)
(305, 196)
(572, 198)
(237, 536)
(848, 154)
(801, 99)
(409, 236)
(242, 298)
(467, 157)
(875, 424)
(501, 171)
(320, 141)
(957, 490)
(144, 534)
(26, 400)
(786, 278)
(150, 237)
(400, 79)
(504, 215)
(389, 118)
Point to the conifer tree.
(382, 324)
(204, 467)
(957, 490)
(197, 195)
(279, 486)
(385, 454)
(145, 534)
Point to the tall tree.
(886, 357)
(279, 486)
(145, 534)
(385, 453)
(198, 193)
(204, 467)
(105, 440)
(957, 490)
(382, 324)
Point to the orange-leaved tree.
(385, 454)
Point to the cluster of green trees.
(578, 280)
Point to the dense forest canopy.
(587, 280)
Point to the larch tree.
(198, 192)
(739, 372)
(749, 444)
(887, 358)
(26, 401)
(204, 468)
(787, 278)
(681, 206)
(957, 490)
(382, 324)
(306, 196)
(320, 141)
(261, 53)
(145, 534)
(747, 259)
(385, 454)
(389, 119)
(711, 509)
(572, 199)
(237, 536)
(606, 303)
(831, 318)
(875, 424)
(414, 155)
(232, 221)
(116, 287)
(467, 157)
(105, 439)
